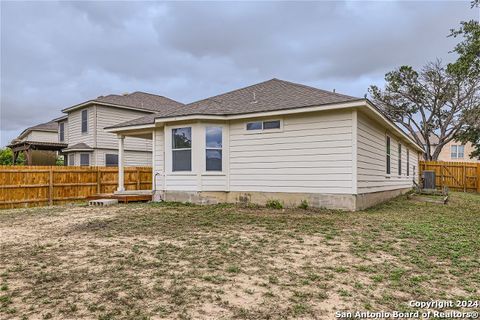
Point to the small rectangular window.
(84, 121)
(71, 159)
(460, 152)
(388, 155)
(263, 125)
(453, 151)
(84, 159)
(111, 160)
(61, 128)
(182, 149)
(213, 152)
(271, 124)
(399, 159)
(408, 162)
(254, 125)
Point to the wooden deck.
(122, 198)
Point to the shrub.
(274, 204)
(303, 205)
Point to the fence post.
(478, 177)
(99, 180)
(138, 179)
(50, 187)
(464, 177)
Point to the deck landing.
(124, 198)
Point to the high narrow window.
(84, 159)
(111, 160)
(213, 152)
(388, 155)
(457, 151)
(399, 159)
(61, 129)
(84, 121)
(408, 162)
(263, 125)
(182, 149)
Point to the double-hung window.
(84, 121)
(399, 159)
(457, 151)
(84, 159)
(111, 160)
(182, 149)
(213, 152)
(388, 165)
(61, 129)
(71, 159)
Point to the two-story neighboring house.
(453, 151)
(90, 145)
(39, 143)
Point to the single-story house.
(276, 140)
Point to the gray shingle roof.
(47, 126)
(138, 100)
(270, 95)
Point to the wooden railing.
(22, 186)
(460, 176)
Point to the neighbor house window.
(84, 159)
(408, 162)
(71, 159)
(388, 155)
(399, 159)
(61, 128)
(111, 160)
(263, 125)
(457, 151)
(182, 149)
(84, 121)
(213, 150)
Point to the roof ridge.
(232, 91)
(310, 87)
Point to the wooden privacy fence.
(460, 176)
(46, 185)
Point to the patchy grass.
(183, 261)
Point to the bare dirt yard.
(170, 261)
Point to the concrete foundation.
(347, 202)
(367, 200)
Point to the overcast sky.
(57, 54)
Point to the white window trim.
(264, 130)
(399, 160)
(70, 156)
(60, 132)
(388, 175)
(181, 172)
(204, 152)
(89, 160)
(457, 153)
(108, 154)
(81, 122)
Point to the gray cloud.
(56, 54)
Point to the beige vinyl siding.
(371, 158)
(108, 116)
(41, 136)
(75, 134)
(312, 153)
(132, 158)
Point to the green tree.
(6, 157)
(468, 64)
(431, 103)
(439, 102)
